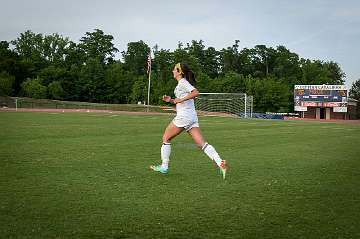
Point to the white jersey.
(186, 108)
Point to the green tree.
(233, 83)
(139, 90)
(30, 46)
(355, 94)
(75, 56)
(34, 89)
(204, 83)
(262, 59)
(52, 73)
(8, 60)
(37, 52)
(91, 85)
(5, 52)
(72, 84)
(355, 90)
(336, 75)
(55, 48)
(182, 55)
(197, 55)
(56, 91)
(135, 58)
(230, 82)
(318, 72)
(6, 83)
(42, 50)
(211, 64)
(12, 63)
(98, 45)
(119, 83)
(87, 71)
(162, 81)
(229, 58)
(163, 64)
(287, 66)
(269, 95)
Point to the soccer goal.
(226, 104)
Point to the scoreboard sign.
(330, 96)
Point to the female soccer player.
(186, 118)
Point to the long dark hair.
(187, 73)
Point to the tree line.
(54, 67)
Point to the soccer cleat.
(159, 169)
(223, 168)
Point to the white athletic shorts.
(186, 123)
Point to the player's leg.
(170, 132)
(196, 135)
(208, 149)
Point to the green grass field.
(86, 175)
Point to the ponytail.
(190, 77)
(187, 73)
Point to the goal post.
(226, 104)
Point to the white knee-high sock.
(210, 151)
(165, 155)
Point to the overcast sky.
(327, 30)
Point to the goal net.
(227, 104)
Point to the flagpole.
(149, 77)
(148, 96)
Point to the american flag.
(149, 63)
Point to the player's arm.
(189, 96)
(168, 99)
